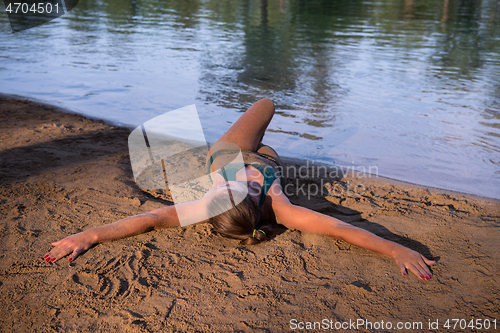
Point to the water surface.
(409, 88)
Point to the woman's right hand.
(75, 244)
(408, 259)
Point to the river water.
(408, 89)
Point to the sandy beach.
(62, 173)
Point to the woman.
(255, 207)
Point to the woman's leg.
(247, 132)
(268, 150)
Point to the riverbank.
(62, 173)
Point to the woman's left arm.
(169, 216)
(303, 219)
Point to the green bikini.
(267, 165)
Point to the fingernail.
(46, 256)
(53, 259)
(427, 278)
(421, 276)
(47, 259)
(70, 259)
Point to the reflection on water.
(408, 86)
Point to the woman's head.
(241, 221)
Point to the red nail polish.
(46, 256)
(421, 276)
(47, 259)
(70, 259)
(53, 259)
(427, 278)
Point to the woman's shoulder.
(278, 199)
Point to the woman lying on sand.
(255, 217)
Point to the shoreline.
(396, 182)
(290, 159)
(63, 173)
(62, 109)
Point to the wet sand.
(62, 173)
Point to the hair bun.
(250, 241)
(258, 235)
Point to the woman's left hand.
(74, 244)
(414, 261)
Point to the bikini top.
(270, 170)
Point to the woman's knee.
(266, 107)
(267, 104)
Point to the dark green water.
(410, 88)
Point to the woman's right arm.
(303, 219)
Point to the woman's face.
(233, 185)
(250, 186)
(223, 188)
